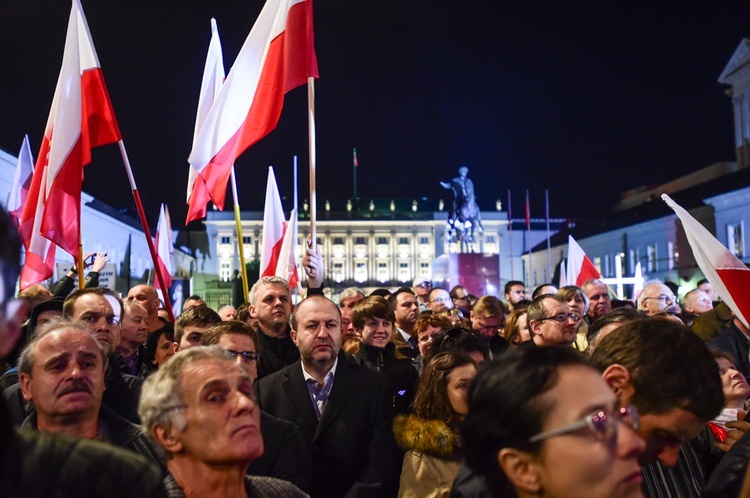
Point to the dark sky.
(584, 98)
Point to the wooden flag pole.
(146, 231)
(81, 284)
(311, 138)
(240, 240)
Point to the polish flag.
(213, 79)
(164, 248)
(81, 117)
(19, 189)
(728, 275)
(580, 267)
(563, 276)
(273, 228)
(286, 268)
(278, 56)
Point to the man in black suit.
(341, 408)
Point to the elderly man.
(551, 322)
(285, 456)
(668, 373)
(341, 408)
(515, 291)
(600, 302)
(694, 304)
(131, 349)
(350, 297)
(227, 312)
(149, 299)
(657, 299)
(62, 373)
(199, 409)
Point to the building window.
(360, 240)
(403, 272)
(382, 272)
(424, 240)
(338, 241)
(225, 271)
(651, 255)
(338, 272)
(403, 240)
(670, 255)
(735, 239)
(382, 240)
(490, 239)
(360, 271)
(424, 270)
(246, 239)
(226, 240)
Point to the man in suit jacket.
(341, 408)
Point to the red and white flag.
(277, 56)
(19, 189)
(728, 275)
(273, 228)
(81, 117)
(580, 267)
(213, 79)
(164, 248)
(286, 268)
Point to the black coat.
(352, 447)
(401, 375)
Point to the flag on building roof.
(81, 117)
(19, 189)
(213, 79)
(277, 56)
(728, 275)
(580, 266)
(164, 248)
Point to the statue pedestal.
(479, 274)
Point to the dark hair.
(152, 342)
(194, 297)
(393, 298)
(512, 283)
(384, 293)
(372, 306)
(507, 407)
(215, 333)
(242, 313)
(202, 316)
(453, 292)
(459, 340)
(702, 281)
(431, 401)
(670, 367)
(617, 315)
(538, 291)
(10, 255)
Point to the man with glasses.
(460, 298)
(551, 322)
(440, 300)
(285, 456)
(422, 287)
(657, 299)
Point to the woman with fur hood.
(429, 435)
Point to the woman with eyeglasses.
(543, 423)
(430, 434)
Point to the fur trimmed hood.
(433, 437)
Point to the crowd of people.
(418, 391)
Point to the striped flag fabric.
(19, 189)
(164, 248)
(580, 266)
(277, 56)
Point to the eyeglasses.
(247, 356)
(424, 284)
(663, 297)
(561, 318)
(603, 423)
(461, 298)
(439, 300)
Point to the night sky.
(585, 99)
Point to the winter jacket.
(432, 457)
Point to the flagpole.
(311, 145)
(80, 251)
(354, 171)
(144, 224)
(240, 239)
(510, 235)
(549, 248)
(298, 288)
(528, 238)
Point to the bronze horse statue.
(463, 217)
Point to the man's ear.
(520, 468)
(25, 382)
(293, 336)
(251, 309)
(535, 326)
(167, 438)
(620, 381)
